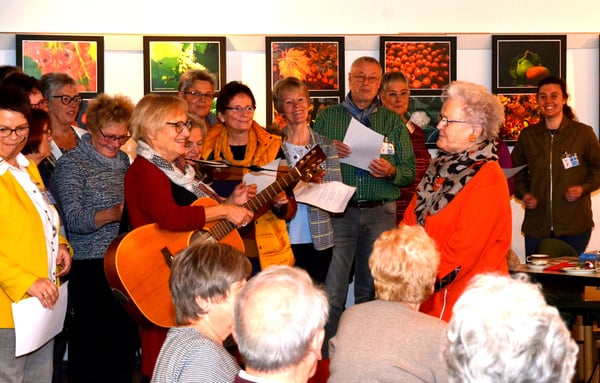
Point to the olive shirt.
(333, 122)
(547, 179)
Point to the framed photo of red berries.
(82, 57)
(519, 62)
(429, 62)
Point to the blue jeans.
(578, 241)
(354, 234)
(30, 368)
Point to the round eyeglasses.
(20, 131)
(179, 125)
(66, 100)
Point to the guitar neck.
(224, 227)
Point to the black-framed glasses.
(20, 131)
(66, 100)
(362, 78)
(120, 139)
(40, 105)
(445, 121)
(241, 109)
(200, 95)
(179, 125)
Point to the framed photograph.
(428, 62)
(318, 61)
(82, 57)
(166, 58)
(520, 111)
(519, 62)
(424, 111)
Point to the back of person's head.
(279, 315)
(39, 120)
(105, 110)
(502, 330)
(53, 81)
(205, 270)
(188, 77)
(567, 111)
(152, 112)
(229, 91)
(404, 263)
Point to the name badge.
(569, 160)
(387, 148)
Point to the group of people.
(453, 210)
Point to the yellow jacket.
(23, 254)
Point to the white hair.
(277, 314)
(502, 330)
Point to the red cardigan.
(149, 199)
(473, 231)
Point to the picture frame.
(81, 57)
(520, 111)
(429, 62)
(166, 58)
(429, 107)
(318, 61)
(519, 62)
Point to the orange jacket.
(473, 232)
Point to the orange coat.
(473, 231)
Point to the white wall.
(245, 23)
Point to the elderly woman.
(33, 256)
(404, 262)
(89, 183)
(156, 191)
(502, 330)
(394, 94)
(205, 279)
(462, 201)
(242, 142)
(310, 230)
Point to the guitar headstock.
(308, 166)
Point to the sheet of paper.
(263, 178)
(365, 145)
(36, 325)
(512, 171)
(330, 196)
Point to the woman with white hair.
(502, 330)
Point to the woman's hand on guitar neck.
(242, 193)
(237, 215)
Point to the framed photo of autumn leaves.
(318, 61)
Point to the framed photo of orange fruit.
(519, 62)
(318, 61)
(81, 57)
(429, 62)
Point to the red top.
(473, 231)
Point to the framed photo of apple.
(519, 62)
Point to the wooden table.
(575, 283)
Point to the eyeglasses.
(120, 139)
(361, 78)
(445, 121)
(240, 109)
(66, 100)
(200, 96)
(401, 94)
(20, 131)
(40, 105)
(179, 125)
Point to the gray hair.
(277, 314)
(480, 106)
(188, 77)
(502, 330)
(391, 77)
(52, 82)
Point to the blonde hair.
(404, 263)
(152, 112)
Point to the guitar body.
(138, 270)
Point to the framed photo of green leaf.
(166, 58)
(81, 57)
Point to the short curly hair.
(105, 110)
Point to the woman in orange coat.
(463, 201)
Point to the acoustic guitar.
(137, 264)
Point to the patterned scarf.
(447, 174)
(361, 115)
(186, 180)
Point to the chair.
(555, 248)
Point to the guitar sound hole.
(202, 236)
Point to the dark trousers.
(315, 262)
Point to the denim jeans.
(578, 242)
(354, 234)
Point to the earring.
(472, 138)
